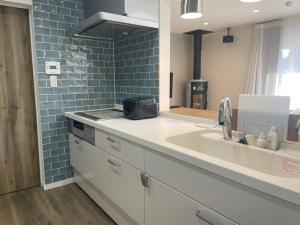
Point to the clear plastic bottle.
(262, 141)
(272, 139)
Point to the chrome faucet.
(225, 118)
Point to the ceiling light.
(256, 11)
(205, 24)
(191, 9)
(250, 1)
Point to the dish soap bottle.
(262, 141)
(272, 139)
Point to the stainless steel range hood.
(109, 20)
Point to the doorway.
(19, 153)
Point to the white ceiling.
(228, 13)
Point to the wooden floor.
(67, 205)
(206, 114)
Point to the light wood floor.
(67, 205)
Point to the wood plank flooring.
(67, 205)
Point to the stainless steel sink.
(283, 163)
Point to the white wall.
(182, 53)
(226, 66)
(164, 54)
(16, 2)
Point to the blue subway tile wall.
(86, 82)
(136, 65)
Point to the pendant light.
(191, 9)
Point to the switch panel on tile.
(53, 68)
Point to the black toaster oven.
(139, 108)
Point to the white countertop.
(153, 133)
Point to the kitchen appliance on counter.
(104, 114)
(139, 108)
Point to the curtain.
(264, 59)
(288, 80)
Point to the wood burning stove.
(196, 94)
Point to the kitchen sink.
(211, 143)
(205, 142)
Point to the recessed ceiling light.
(256, 11)
(205, 24)
(250, 1)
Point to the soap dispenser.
(272, 139)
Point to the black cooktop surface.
(105, 114)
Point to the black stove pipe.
(197, 54)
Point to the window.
(288, 78)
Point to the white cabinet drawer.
(166, 206)
(239, 203)
(82, 157)
(121, 183)
(125, 150)
(76, 148)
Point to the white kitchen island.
(140, 172)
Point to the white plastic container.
(262, 141)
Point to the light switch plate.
(53, 68)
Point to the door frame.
(35, 81)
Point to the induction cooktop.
(104, 114)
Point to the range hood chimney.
(110, 19)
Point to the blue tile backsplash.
(95, 75)
(136, 63)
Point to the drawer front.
(121, 183)
(239, 203)
(125, 150)
(166, 206)
(82, 157)
(76, 148)
(82, 131)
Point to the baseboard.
(58, 184)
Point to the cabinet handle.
(145, 180)
(111, 140)
(198, 214)
(77, 142)
(113, 163)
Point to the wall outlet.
(53, 81)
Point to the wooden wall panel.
(19, 159)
